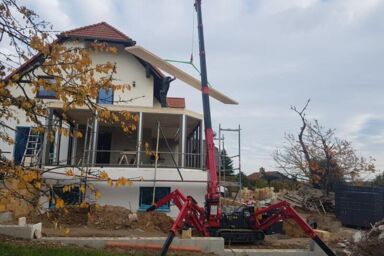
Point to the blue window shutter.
(21, 138)
(105, 96)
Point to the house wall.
(128, 197)
(129, 71)
(195, 184)
(121, 142)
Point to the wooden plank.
(156, 61)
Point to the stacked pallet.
(257, 194)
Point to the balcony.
(178, 141)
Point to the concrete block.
(267, 252)
(206, 244)
(186, 234)
(25, 232)
(22, 221)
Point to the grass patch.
(49, 250)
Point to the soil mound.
(157, 221)
(104, 217)
(70, 215)
(109, 217)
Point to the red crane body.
(246, 224)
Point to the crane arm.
(282, 211)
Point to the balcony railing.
(128, 158)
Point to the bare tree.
(318, 156)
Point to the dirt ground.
(102, 221)
(117, 221)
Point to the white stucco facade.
(194, 184)
(131, 72)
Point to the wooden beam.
(156, 61)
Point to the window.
(44, 93)
(71, 197)
(105, 96)
(146, 197)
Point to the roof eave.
(127, 42)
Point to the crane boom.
(212, 197)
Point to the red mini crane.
(245, 224)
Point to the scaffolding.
(221, 160)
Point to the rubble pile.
(311, 199)
(370, 243)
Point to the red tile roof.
(272, 174)
(99, 31)
(173, 102)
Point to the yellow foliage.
(91, 187)
(67, 188)
(113, 50)
(38, 185)
(121, 182)
(29, 176)
(83, 205)
(103, 175)
(67, 231)
(77, 134)
(59, 203)
(9, 140)
(69, 172)
(97, 194)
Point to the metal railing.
(132, 158)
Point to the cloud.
(366, 131)
(52, 11)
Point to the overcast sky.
(268, 55)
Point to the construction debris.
(258, 197)
(311, 199)
(371, 243)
